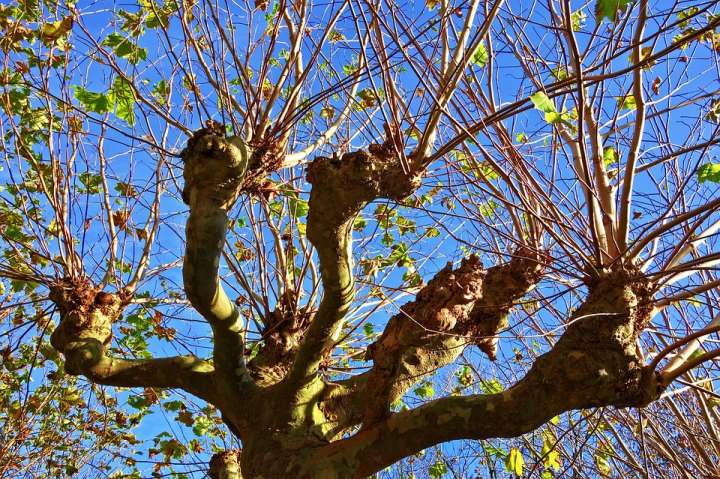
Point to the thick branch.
(182, 372)
(594, 364)
(214, 173)
(85, 331)
(341, 188)
(468, 305)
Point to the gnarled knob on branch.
(342, 186)
(225, 465)
(214, 168)
(86, 317)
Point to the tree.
(405, 224)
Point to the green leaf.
(577, 19)
(609, 156)
(425, 390)
(494, 451)
(297, 206)
(686, 15)
(336, 36)
(432, 232)
(91, 101)
(123, 97)
(492, 386)
(480, 56)
(709, 172)
(546, 105)
(360, 223)
(54, 31)
(521, 138)
(602, 464)
(368, 98)
(714, 114)
(125, 48)
(202, 425)
(133, 23)
(626, 102)
(437, 470)
(368, 329)
(610, 9)
(514, 462)
(551, 456)
(413, 132)
(431, 4)
(173, 449)
(351, 67)
(173, 405)
(464, 375)
(160, 91)
(559, 72)
(487, 209)
(91, 183)
(157, 15)
(138, 402)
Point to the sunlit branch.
(566, 86)
(640, 112)
(287, 109)
(686, 294)
(294, 59)
(670, 374)
(695, 241)
(298, 157)
(690, 342)
(648, 237)
(460, 60)
(151, 233)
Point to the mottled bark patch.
(504, 285)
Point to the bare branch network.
(326, 238)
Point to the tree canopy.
(352, 239)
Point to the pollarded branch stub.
(214, 169)
(505, 284)
(422, 337)
(447, 298)
(342, 186)
(225, 465)
(442, 306)
(433, 329)
(86, 318)
(283, 332)
(597, 353)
